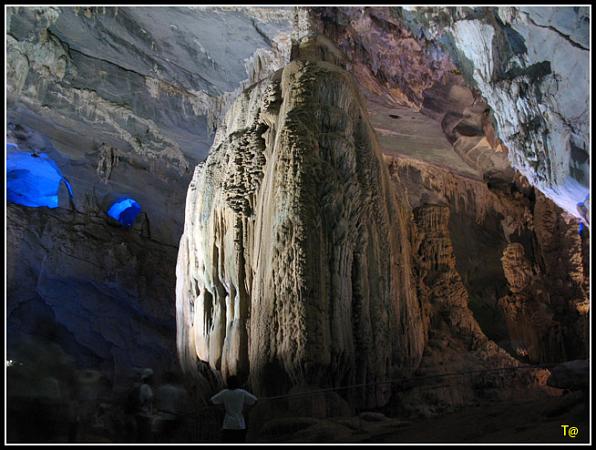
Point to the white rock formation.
(536, 81)
(295, 264)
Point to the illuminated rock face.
(127, 100)
(294, 266)
(528, 66)
(546, 308)
(456, 343)
(535, 333)
(531, 65)
(522, 259)
(286, 258)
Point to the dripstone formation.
(303, 263)
(382, 193)
(295, 263)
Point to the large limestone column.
(295, 264)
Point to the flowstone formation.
(295, 263)
(546, 308)
(457, 347)
(522, 259)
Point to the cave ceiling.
(127, 100)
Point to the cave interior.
(375, 219)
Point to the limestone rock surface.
(149, 83)
(528, 63)
(294, 266)
(521, 258)
(94, 290)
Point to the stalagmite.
(294, 265)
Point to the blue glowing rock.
(125, 210)
(33, 180)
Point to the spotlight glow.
(33, 179)
(125, 210)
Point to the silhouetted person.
(139, 403)
(170, 403)
(233, 399)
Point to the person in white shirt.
(233, 399)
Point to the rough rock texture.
(520, 74)
(456, 343)
(295, 258)
(533, 333)
(548, 304)
(521, 259)
(148, 83)
(126, 101)
(398, 69)
(530, 64)
(95, 290)
(516, 267)
(482, 220)
(386, 58)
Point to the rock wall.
(530, 64)
(148, 85)
(457, 346)
(96, 291)
(548, 303)
(126, 101)
(295, 262)
(519, 74)
(281, 276)
(521, 258)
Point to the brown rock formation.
(300, 265)
(529, 319)
(547, 308)
(517, 268)
(520, 257)
(385, 56)
(445, 291)
(456, 342)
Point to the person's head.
(146, 376)
(233, 382)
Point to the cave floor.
(527, 421)
(538, 421)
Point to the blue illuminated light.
(33, 179)
(581, 228)
(125, 210)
